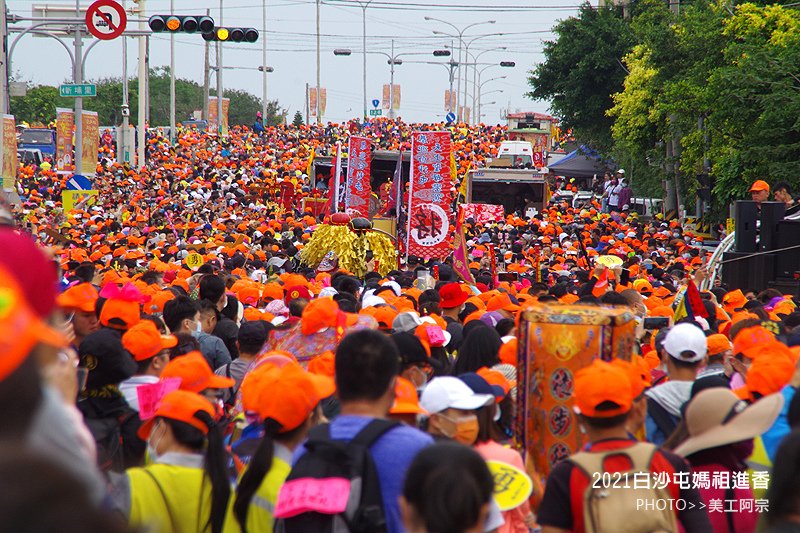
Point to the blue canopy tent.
(581, 163)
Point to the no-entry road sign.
(106, 19)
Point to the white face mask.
(199, 326)
(153, 446)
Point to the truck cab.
(38, 139)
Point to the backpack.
(334, 486)
(610, 503)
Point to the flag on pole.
(601, 286)
(460, 261)
(392, 207)
(333, 192)
(310, 165)
(690, 304)
(462, 190)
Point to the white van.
(519, 152)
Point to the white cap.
(448, 392)
(372, 301)
(686, 338)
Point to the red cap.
(452, 296)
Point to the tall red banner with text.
(429, 195)
(359, 159)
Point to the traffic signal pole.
(77, 75)
(172, 80)
(219, 77)
(141, 123)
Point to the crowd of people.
(171, 362)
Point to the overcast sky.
(291, 45)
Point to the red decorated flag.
(602, 284)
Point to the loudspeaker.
(748, 271)
(772, 213)
(786, 286)
(788, 235)
(746, 231)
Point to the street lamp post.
(460, 35)
(393, 59)
(480, 88)
(264, 106)
(475, 77)
(364, 6)
(467, 55)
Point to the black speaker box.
(772, 214)
(748, 271)
(745, 226)
(788, 235)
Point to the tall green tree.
(582, 69)
(39, 105)
(298, 119)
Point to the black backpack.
(326, 466)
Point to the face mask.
(466, 429)
(676, 235)
(199, 326)
(420, 381)
(153, 446)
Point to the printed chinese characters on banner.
(65, 122)
(359, 188)
(429, 195)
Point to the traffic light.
(180, 23)
(441, 53)
(236, 35)
(507, 64)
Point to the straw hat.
(716, 417)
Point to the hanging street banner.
(429, 195)
(359, 188)
(65, 125)
(90, 143)
(212, 114)
(9, 154)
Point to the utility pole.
(391, 83)
(319, 92)
(78, 78)
(308, 105)
(264, 106)
(4, 107)
(219, 77)
(122, 138)
(207, 75)
(142, 118)
(172, 79)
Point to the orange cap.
(638, 373)
(323, 364)
(501, 301)
(324, 313)
(80, 297)
(182, 406)
(749, 339)
(120, 311)
(733, 300)
(406, 400)
(286, 394)
(759, 185)
(508, 352)
(20, 327)
(195, 374)
(144, 340)
(717, 343)
(602, 382)
(772, 369)
(495, 377)
(157, 301)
